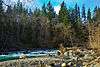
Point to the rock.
(66, 54)
(23, 56)
(58, 65)
(88, 56)
(58, 52)
(70, 63)
(63, 65)
(97, 65)
(52, 65)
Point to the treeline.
(22, 28)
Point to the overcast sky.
(56, 3)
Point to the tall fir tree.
(89, 15)
(94, 13)
(83, 13)
(98, 15)
(30, 12)
(44, 10)
(77, 15)
(1, 9)
(19, 7)
(37, 12)
(9, 10)
(50, 11)
(63, 14)
(1, 6)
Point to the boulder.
(23, 56)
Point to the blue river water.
(29, 53)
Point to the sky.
(56, 3)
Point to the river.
(29, 53)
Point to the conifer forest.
(22, 28)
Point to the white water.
(35, 53)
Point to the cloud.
(57, 8)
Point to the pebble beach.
(31, 62)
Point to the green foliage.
(44, 13)
(96, 14)
(1, 6)
(23, 29)
(77, 20)
(63, 14)
(50, 11)
(37, 12)
(9, 10)
(83, 13)
(89, 15)
(1, 10)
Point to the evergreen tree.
(83, 13)
(1, 6)
(37, 12)
(77, 15)
(30, 12)
(63, 14)
(89, 15)
(1, 9)
(50, 13)
(9, 10)
(71, 16)
(96, 15)
(19, 7)
(44, 10)
(78, 11)
(95, 9)
(14, 9)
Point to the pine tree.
(63, 14)
(1, 6)
(96, 15)
(1, 9)
(37, 12)
(1, 25)
(78, 11)
(83, 13)
(50, 13)
(9, 10)
(19, 7)
(89, 15)
(77, 15)
(30, 12)
(95, 9)
(44, 10)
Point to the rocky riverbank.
(31, 62)
(72, 57)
